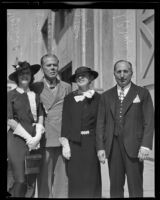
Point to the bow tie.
(87, 94)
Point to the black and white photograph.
(80, 101)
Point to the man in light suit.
(124, 133)
(52, 92)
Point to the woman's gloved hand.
(66, 151)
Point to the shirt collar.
(46, 82)
(126, 88)
(20, 90)
(48, 85)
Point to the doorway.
(66, 72)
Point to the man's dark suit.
(136, 131)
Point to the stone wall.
(24, 37)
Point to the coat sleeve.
(40, 111)
(100, 127)
(66, 119)
(148, 120)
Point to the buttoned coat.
(53, 105)
(138, 120)
(72, 116)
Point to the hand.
(33, 143)
(34, 148)
(66, 152)
(143, 154)
(101, 156)
(12, 123)
(40, 128)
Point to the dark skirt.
(83, 168)
(16, 152)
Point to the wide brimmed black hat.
(83, 70)
(21, 66)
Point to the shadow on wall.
(63, 20)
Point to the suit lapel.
(47, 97)
(60, 94)
(113, 99)
(52, 99)
(77, 109)
(128, 100)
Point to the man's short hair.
(48, 55)
(119, 61)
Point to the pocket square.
(137, 99)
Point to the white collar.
(32, 101)
(126, 89)
(20, 90)
(89, 94)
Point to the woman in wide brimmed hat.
(25, 123)
(78, 136)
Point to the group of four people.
(82, 127)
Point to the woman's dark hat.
(83, 70)
(21, 66)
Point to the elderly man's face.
(123, 73)
(50, 68)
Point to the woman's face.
(24, 78)
(83, 80)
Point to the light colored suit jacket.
(53, 105)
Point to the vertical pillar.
(124, 37)
(90, 38)
(96, 42)
(100, 48)
(76, 38)
(131, 40)
(84, 37)
(98, 83)
(53, 43)
(49, 45)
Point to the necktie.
(121, 94)
(51, 87)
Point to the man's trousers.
(52, 181)
(121, 165)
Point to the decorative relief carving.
(76, 23)
(37, 25)
(122, 25)
(13, 25)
